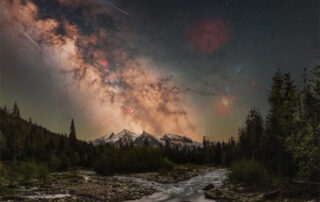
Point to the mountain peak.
(126, 137)
(146, 133)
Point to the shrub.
(108, 162)
(54, 163)
(3, 145)
(74, 159)
(167, 164)
(3, 170)
(250, 173)
(27, 170)
(42, 172)
(140, 159)
(136, 159)
(3, 175)
(59, 163)
(64, 162)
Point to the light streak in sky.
(32, 41)
(117, 8)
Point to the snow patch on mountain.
(126, 137)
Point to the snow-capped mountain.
(126, 137)
(179, 141)
(147, 139)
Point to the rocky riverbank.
(88, 186)
(237, 192)
(180, 174)
(80, 186)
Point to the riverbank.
(86, 185)
(77, 186)
(179, 173)
(242, 193)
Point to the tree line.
(26, 141)
(22, 140)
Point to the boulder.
(208, 187)
(211, 195)
(217, 195)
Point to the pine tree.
(30, 143)
(3, 145)
(304, 142)
(315, 82)
(72, 135)
(15, 110)
(62, 146)
(280, 123)
(250, 136)
(5, 109)
(305, 148)
(310, 97)
(291, 99)
(15, 145)
(272, 144)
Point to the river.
(189, 190)
(183, 191)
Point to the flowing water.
(189, 190)
(184, 191)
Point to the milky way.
(151, 65)
(132, 94)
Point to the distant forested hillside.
(26, 141)
(23, 140)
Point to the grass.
(12, 175)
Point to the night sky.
(187, 67)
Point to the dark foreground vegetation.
(285, 145)
(287, 141)
(279, 156)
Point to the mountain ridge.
(126, 137)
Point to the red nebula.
(222, 110)
(104, 62)
(129, 111)
(224, 107)
(209, 35)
